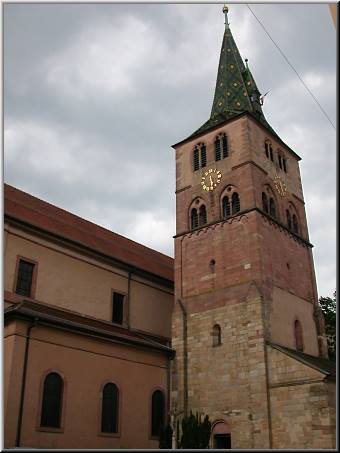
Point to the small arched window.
(52, 401)
(295, 224)
(289, 219)
(226, 207)
(110, 402)
(202, 215)
(194, 218)
(272, 208)
(235, 203)
(264, 202)
(157, 413)
(298, 335)
(216, 335)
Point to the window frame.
(50, 429)
(125, 309)
(34, 276)
(165, 409)
(100, 409)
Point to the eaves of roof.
(32, 212)
(56, 317)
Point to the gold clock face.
(211, 179)
(280, 186)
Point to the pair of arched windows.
(231, 206)
(198, 217)
(52, 402)
(268, 205)
(270, 155)
(221, 147)
(200, 156)
(292, 222)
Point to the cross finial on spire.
(225, 12)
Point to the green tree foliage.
(195, 432)
(328, 306)
(165, 438)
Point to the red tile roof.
(23, 207)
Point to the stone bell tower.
(246, 301)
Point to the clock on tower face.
(280, 186)
(211, 179)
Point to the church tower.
(246, 321)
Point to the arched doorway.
(221, 435)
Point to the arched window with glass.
(226, 210)
(52, 401)
(264, 202)
(235, 203)
(110, 408)
(202, 220)
(157, 413)
(272, 208)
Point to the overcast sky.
(95, 95)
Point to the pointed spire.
(236, 91)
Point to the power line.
(289, 63)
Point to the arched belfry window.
(235, 203)
(110, 403)
(157, 413)
(221, 147)
(226, 211)
(194, 218)
(295, 224)
(52, 401)
(298, 334)
(216, 335)
(202, 220)
(272, 208)
(264, 202)
(199, 156)
(289, 219)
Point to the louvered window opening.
(226, 207)
(157, 413)
(196, 159)
(217, 149)
(25, 278)
(110, 403)
(272, 208)
(52, 401)
(202, 215)
(225, 146)
(203, 155)
(117, 308)
(271, 153)
(194, 218)
(284, 165)
(280, 161)
(235, 203)
(264, 202)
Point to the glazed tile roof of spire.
(236, 91)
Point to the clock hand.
(211, 182)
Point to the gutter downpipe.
(23, 381)
(185, 358)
